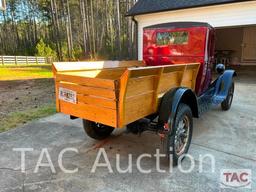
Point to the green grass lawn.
(18, 118)
(25, 72)
(25, 111)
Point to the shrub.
(44, 50)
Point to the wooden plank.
(56, 89)
(109, 74)
(137, 86)
(196, 70)
(54, 71)
(190, 75)
(78, 66)
(192, 66)
(193, 85)
(139, 107)
(169, 81)
(92, 113)
(93, 82)
(133, 63)
(97, 101)
(174, 68)
(57, 97)
(104, 93)
(143, 71)
(157, 88)
(122, 95)
(187, 84)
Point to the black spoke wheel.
(179, 139)
(182, 135)
(96, 130)
(226, 104)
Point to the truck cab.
(182, 42)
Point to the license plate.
(67, 95)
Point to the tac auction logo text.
(236, 178)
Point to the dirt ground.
(24, 95)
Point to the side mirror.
(220, 68)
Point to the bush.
(44, 50)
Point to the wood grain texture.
(140, 85)
(90, 112)
(92, 82)
(122, 96)
(93, 91)
(108, 74)
(119, 96)
(138, 107)
(97, 101)
(90, 65)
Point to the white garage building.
(234, 20)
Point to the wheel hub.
(182, 135)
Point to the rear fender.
(170, 103)
(186, 96)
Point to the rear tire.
(178, 140)
(226, 104)
(96, 130)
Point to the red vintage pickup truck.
(162, 93)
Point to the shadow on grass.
(19, 118)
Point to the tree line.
(68, 29)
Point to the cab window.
(172, 38)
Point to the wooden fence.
(24, 60)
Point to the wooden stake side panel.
(138, 107)
(190, 75)
(146, 84)
(171, 77)
(140, 85)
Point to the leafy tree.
(44, 50)
(70, 29)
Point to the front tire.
(179, 139)
(96, 130)
(226, 104)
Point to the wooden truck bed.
(116, 93)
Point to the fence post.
(2, 60)
(49, 60)
(27, 60)
(15, 60)
(36, 60)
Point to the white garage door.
(236, 14)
